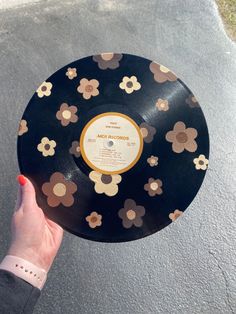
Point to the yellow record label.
(111, 143)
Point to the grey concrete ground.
(189, 267)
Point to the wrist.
(25, 270)
(31, 256)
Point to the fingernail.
(21, 179)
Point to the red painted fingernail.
(21, 179)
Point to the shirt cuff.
(27, 271)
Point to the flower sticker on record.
(130, 84)
(107, 184)
(88, 88)
(201, 163)
(71, 73)
(46, 147)
(59, 190)
(162, 104)
(131, 214)
(173, 216)
(108, 60)
(44, 89)
(67, 114)
(94, 220)
(22, 127)
(182, 138)
(192, 101)
(75, 149)
(153, 187)
(147, 132)
(152, 161)
(161, 73)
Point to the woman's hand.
(35, 238)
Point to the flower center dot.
(107, 56)
(129, 84)
(46, 146)
(164, 69)
(66, 114)
(144, 132)
(59, 189)
(182, 137)
(88, 88)
(78, 149)
(106, 178)
(43, 88)
(131, 214)
(201, 162)
(154, 186)
(93, 219)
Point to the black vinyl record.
(116, 146)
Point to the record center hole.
(110, 143)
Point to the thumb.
(28, 200)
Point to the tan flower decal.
(94, 220)
(182, 138)
(153, 161)
(130, 84)
(22, 127)
(105, 183)
(201, 162)
(147, 132)
(161, 73)
(192, 101)
(75, 149)
(108, 60)
(153, 187)
(88, 88)
(71, 73)
(46, 147)
(162, 104)
(59, 190)
(67, 114)
(173, 216)
(44, 89)
(131, 214)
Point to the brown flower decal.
(71, 73)
(130, 84)
(88, 88)
(131, 214)
(192, 101)
(75, 149)
(105, 183)
(59, 190)
(153, 187)
(67, 114)
(44, 89)
(161, 73)
(162, 104)
(201, 162)
(153, 161)
(108, 60)
(46, 147)
(94, 220)
(147, 132)
(22, 127)
(173, 216)
(182, 138)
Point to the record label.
(111, 143)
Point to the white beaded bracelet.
(27, 271)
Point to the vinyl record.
(116, 146)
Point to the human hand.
(35, 237)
